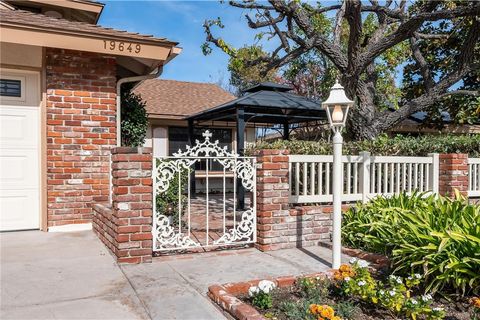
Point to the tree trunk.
(359, 131)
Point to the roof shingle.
(35, 20)
(178, 99)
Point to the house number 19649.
(121, 46)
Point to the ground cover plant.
(383, 145)
(354, 292)
(434, 236)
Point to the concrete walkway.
(73, 276)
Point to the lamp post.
(337, 106)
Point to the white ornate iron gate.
(184, 220)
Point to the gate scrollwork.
(165, 169)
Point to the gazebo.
(264, 104)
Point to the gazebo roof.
(266, 102)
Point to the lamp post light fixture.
(337, 106)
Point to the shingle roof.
(32, 20)
(268, 105)
(178, 99)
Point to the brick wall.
(126, 227)
(80, 132)
(278, 225)
(453, 174)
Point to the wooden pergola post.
(240, 151)
(286, 131)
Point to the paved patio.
(73, 276)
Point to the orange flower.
(337, 275)
(327, 312)
(313, 309)
(345, 268)
(475, 302)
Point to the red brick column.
(453, 174)
(132, 203)
(279, 224)
(272, 200)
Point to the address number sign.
(121, 46)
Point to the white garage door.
(19, 151)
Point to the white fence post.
(364, 177)
(434, 173)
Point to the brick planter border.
(226, 295)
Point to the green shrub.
(134, 120)
(384, 145)
(433, 236)
(167, 203)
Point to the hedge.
(383, 145)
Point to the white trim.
(71, 227)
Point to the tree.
(368, 44)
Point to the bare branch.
(326, 9)
(337, 32)
(426, 36)
(250, 5)
(261, 24)
(474, 93)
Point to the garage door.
(19, 151)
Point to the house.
(415, 124)
(60, 79)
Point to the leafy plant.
(395, 294)
(134, 120)
(436, 237)
(315, 289)
(383, 145)
(261, 295)
(262, 300)
(168, 202)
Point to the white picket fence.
(364, 176)
(474, 177)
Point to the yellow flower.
(327, 312)
(336, 318)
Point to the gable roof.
(171, 99)
(35, 21)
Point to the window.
(10, 88)
(178, 139)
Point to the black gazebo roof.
(266, 102)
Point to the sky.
(182, 21)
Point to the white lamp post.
(337, 106)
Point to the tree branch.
(427, 36)
(354, 18)
(337, 31)
(439, 90)
(474, 93)
(407, 28)
(250, 4)
(421, 63)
